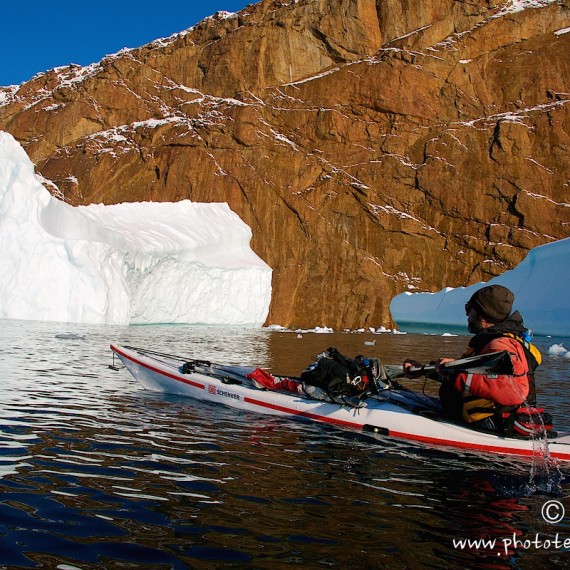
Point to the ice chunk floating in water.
(137, 263)
(539, 282)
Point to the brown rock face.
(372, 146)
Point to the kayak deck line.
(176, 377)
(384, 416)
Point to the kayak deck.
(394, 413)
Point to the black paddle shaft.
(491, 363)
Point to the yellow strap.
(474, 416)
(531, 347)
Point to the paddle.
(491, 363)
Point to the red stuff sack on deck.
(263, 379)
(527, 422)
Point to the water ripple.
(95, 472)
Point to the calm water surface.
(95, 472)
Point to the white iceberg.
(135, 263)
(541, 284)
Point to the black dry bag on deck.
(339, 376)
(329, 375)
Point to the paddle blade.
(394, 370)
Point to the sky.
(38, 35)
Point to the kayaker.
(481, 399)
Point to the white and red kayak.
(392, 412)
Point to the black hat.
(493, 302)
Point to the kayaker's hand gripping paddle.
(491, 363)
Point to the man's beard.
(474, 326)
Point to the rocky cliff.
(373, 146)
